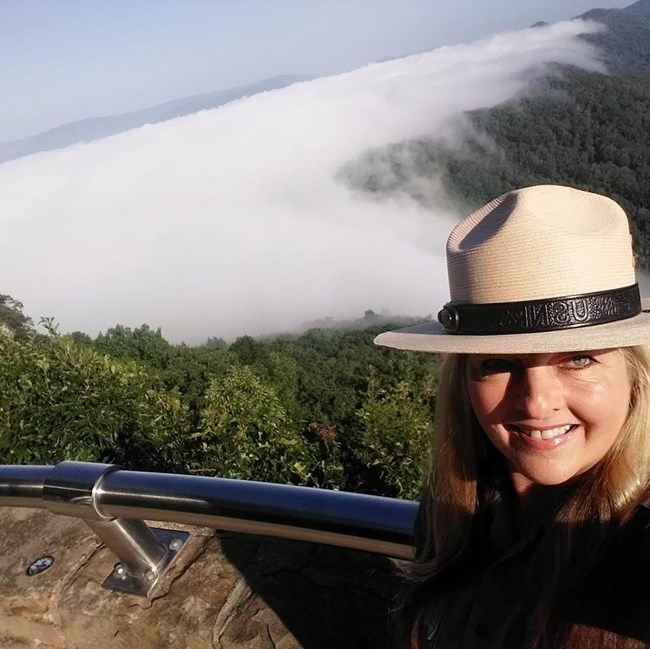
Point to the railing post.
(132, 542)
(72, 489)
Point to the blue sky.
(64, 60)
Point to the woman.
(534, 527)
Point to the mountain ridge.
(95, 128)
(627, 51)
(625, 42)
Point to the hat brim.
(432, 337)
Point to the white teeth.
(544, 434)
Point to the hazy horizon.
(232, 221)
(68, 61)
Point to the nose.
(540, 392)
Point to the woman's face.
(552, 416)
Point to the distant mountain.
(625, 43)
(96, 128)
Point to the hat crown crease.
(537, 243)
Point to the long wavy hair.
(465, 469)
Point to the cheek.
(605, 403)
(487, 399)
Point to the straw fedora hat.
(540, 269)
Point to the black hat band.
(534, 316)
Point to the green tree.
(249, 351)
(214, 342)
(141, 344)
(395, 425)
(61, 400)
(189, 371)
(12, 316)
(246, 433)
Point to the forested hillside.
(588, 130)
(624, 44)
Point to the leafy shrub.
(394, 428)
(246, 433)
(61, 400)
(325, 458)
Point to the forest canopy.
(326, 408)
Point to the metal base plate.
(124, 582)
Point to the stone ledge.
(227, 591)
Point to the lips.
(545, 433)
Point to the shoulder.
(616, 596)
(636, 532)
(626, 560)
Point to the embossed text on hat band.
(533, 316)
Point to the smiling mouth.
(549, 433)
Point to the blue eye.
(580, 361)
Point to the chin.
(542, 478)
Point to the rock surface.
(225, 591)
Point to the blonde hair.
(608, 493)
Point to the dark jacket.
(487, 603)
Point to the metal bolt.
(176, 544)
(120, 570)
(149, 576)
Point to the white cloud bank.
(231, 221)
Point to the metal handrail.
(102, 493)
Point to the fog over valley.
(237, 221)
